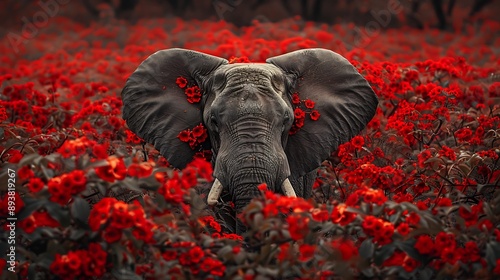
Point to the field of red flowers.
(414, 196)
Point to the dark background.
(242, 12)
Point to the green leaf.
(30, 206)
(57, 212)
(368, 272)
(29, 159)
(426, 273)
(492, 250)
(80, 210)
(125, 274)
(45, 260)
(488, 211)
(77, 234)
(384, 253)
(409, 206)
(366, 249)
(408, 247)
(450, 209)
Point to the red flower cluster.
(194, 258)
(194, 137)
(140, 170)
(400, 258)
(242, 59)
(63, 187)
(37, 220)
(81, 263)
(115, 169)
(175, 188)
(193, 93)
(381, 230)
(301, 109)
(112, 217)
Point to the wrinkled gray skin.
(251, 116)
(248, 113)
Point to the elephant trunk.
(245, 182)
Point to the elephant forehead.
(255, 73)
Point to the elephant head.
(248, 112)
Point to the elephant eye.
(277, 82)
(220, 81)
(213, 121)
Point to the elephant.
(249, 113)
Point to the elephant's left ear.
(343, 98)
(161, 101)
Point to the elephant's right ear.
(344, 100)
(156, 107)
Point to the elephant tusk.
(287, 188)
(215, 192)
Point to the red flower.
(169, 255)
(320, 215)
(28, 224)
(100, 151)
(410, 264)
(25, 173)
(372, 225)
(423, 157)
(295, 99)
(181, 82)
(424, 244)
(35, 185)
(451, 254)
(213, 266)
(114, 170)
(112, 235)
(413, 219)
(101, 212)
(234, 59)
(299, 113)
(196, 254)
(471, 252)
(15, 156)
(358, 142)
(132, 138)
(306, 252)
(463, 134)
(184, 135)
(204, 168)
(309, 103)
(403, 229)
(341, 216)
(140, 170)
(297, 226)
(193, 93)
(314, 115)
(447, 152)
(346, 247)
(284, 252)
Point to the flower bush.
(414, 196)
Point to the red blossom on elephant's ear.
(295, 99)
(181, 82)
(314, 115)
(309, 104)
(194, 94)
(302, 109)
(184, 135)
(194, 137)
